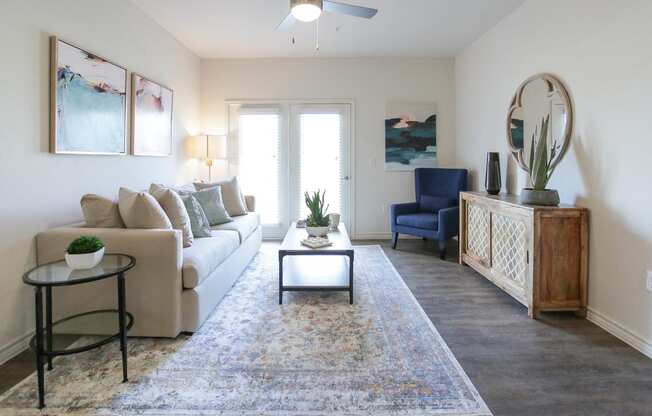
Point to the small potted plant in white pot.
(84, 252)
(317, 221)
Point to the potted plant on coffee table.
(84, 252)
(317, 221)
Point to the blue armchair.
(435, 214)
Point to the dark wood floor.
(559, 365)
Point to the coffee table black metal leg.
(280, 278)
(123, 329)
(38, 298)
(351, 278)
(48, 322)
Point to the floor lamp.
(213, 147)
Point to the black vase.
(492, 174)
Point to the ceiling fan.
(310, 10)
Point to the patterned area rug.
(315, 355)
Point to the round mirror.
(539, 98)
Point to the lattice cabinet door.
(478, 229)
(509, 247)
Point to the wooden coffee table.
(302, 269)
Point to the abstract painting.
(410, 136)
(151, 117)
(88, 105)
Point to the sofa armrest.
(448, 219)
(153, 286)
(250, 200)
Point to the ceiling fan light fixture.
(306, 10)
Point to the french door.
(282, 150)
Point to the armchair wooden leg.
(442, 249)
(394, 240)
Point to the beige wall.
(40, 190)
(370, 83)
(601, 50)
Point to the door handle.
(346, 178)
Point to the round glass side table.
(58, 274)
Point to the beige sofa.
(171, 289)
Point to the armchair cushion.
(400, 209)
(423, 220)
(432, 204)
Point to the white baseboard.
(14, 348)
(619, 331)
(381, 236)
(371, 236)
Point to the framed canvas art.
(88, 102)
(410, 136)
(151, 117)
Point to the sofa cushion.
(205, 255)
(141, 210)
(211, 202)
(432, 204)
(100, 212)
(233, 199)
(421, 220)
(175, 210)
(198, 221)
(243, 224)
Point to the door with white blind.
(281, 150)
(319, 156)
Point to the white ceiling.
(402, 28)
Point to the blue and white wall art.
(88, 102)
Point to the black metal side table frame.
(46, 352)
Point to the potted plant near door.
(84, 252)
(317, 221)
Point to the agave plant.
(542, 158)
(315, 203)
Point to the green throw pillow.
(198, 221)
(211, 202)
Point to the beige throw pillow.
(140, 210)
(100, 212)
(234, 201)
(175, 210)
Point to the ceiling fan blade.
(350, 9)
(287, 23)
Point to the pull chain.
(317, 36)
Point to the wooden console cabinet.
(537, 254)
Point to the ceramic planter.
(84, 261)
(548, 197)
(317, 231)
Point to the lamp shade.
(209, 147)
(216, 147)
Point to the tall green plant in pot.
(541, 165)
(317, 221)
